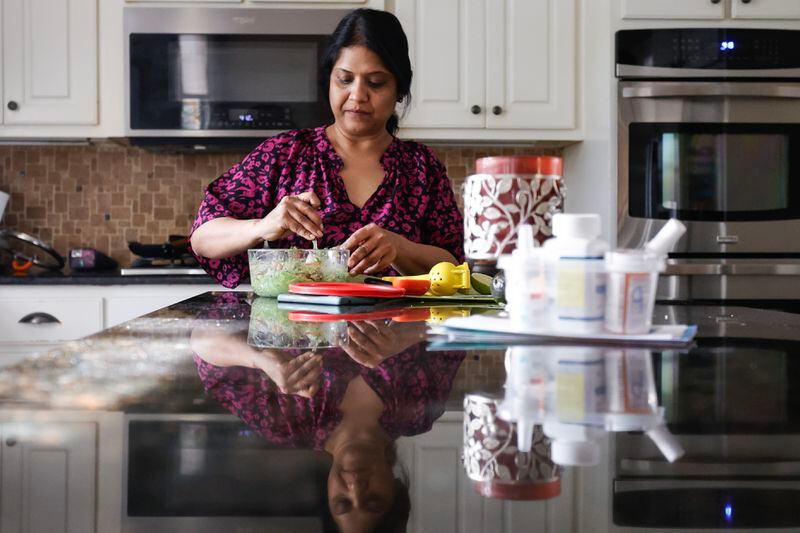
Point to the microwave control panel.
(261, 118)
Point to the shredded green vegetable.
(270, 327)
(272, 271)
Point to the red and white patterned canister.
(504, 193)
(493, 462)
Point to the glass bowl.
(270, 327)
(271, 271)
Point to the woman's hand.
(298, 375)
(372, 249)
(372, 341)
(293, 214)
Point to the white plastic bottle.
(575, 274)
(525, 299)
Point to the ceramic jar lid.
(546, 165)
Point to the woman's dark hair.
(381, 32)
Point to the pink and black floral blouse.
(414, 200)
(413, 386)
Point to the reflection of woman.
(351, 183)
(354, 413)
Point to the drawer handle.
(39, 318)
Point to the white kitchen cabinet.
(43, 318)
(492, 70)
(50, 62)
(710, 9)
(48, 479)
(378, 4)
(35, 318)
(444, 501)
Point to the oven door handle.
(644, 467)
(673, 90)
(629, 485)
(731, 269)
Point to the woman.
(331, 402)
(350, 184)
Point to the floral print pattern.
(415, 198)
(413, 386)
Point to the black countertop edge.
(110, 278)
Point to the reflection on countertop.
(202, 410)
(111, 277)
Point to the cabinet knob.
(746, 1)
(11, 441)
(715, 1)
(476, 109)
(39, 318)
(13, 106)
(496, 110)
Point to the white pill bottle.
(575, 276)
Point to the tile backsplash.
(105, 195)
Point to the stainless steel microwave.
(224, 72)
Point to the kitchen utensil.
(414, 314)
(26, 248)
(177, 247)
(272, 327)
(90, 259)
(3, 202)
(273, 270)
(288, 297)
(445, 278)
(346, 289)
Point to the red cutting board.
(322, 288)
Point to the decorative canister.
(504, 193)
(493, 462)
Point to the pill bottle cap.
(665, 239)
(576, 226)
(575, 453)
(629, 260)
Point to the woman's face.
(362, 93)
(360, 487)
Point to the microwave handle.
(673, 90)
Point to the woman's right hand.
(293, 214)
(299, 375)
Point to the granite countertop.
(112, 277)
(282, 376)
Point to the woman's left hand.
(372, 249)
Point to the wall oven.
(732, 401)
(709, 133)
(206, 473)
(224, 72)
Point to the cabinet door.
(48, 319)
(138, 301)
(48, 477)
(674, 9)
(443, 499)
(447, 49)
(765, 9)
(50, 61)
(531, 58)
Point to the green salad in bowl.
(270, 327)
(271, 271)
